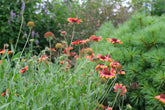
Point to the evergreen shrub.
(142, 57)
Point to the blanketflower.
(52, 49)
(24, 69)
(48, 35)
(67, 51)
(4, 93)
(71, 53)
(63, 32)
(9, 52)
(76, 20)
(90, 57)
(85, 41)
(107, 108)
(119, 88)
(161, 98)
(116, 65)
(105, 58)
(43, 58)
(16, 95)
(2, 51)
(77, 42)
(94, 38)
(76, 56)
(113, 70)
(100, 66)
(113, 40)
(61, 62)
(121, 72)
(107, 74)
(23, 60)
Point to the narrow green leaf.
(3, 106)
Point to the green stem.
(32, 48)
(19, 32)
(26, 42)
(66, 41)
(21, 53)
(96, 47)
(72, 34)
(50, 50)
(115, 99)
(122, 103)
(79, 50)
(153, 108)
(109, 89)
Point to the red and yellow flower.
(113, 40)
(52, 49)
(100, 67)
(63, 32)
(90, 57)
(43, 58)
(161, 98)
(71, 54)
(77, 42)
(9, 52)
(24, 69)
(76, 56)
(75, 20)
(107, 108)
(61, 62)
(2, 51)
(85, 41)
(4, 93)
(121, 72)
(95, 39)
(67, 51)
(107, 74)
(119, 88)
(116, 65)
(105, 58)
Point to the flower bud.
(31, 40)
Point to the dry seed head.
(89, 51)
(30, 24)
(58, 46)
(6, 46)
(48, 35)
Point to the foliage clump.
(141, 55)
